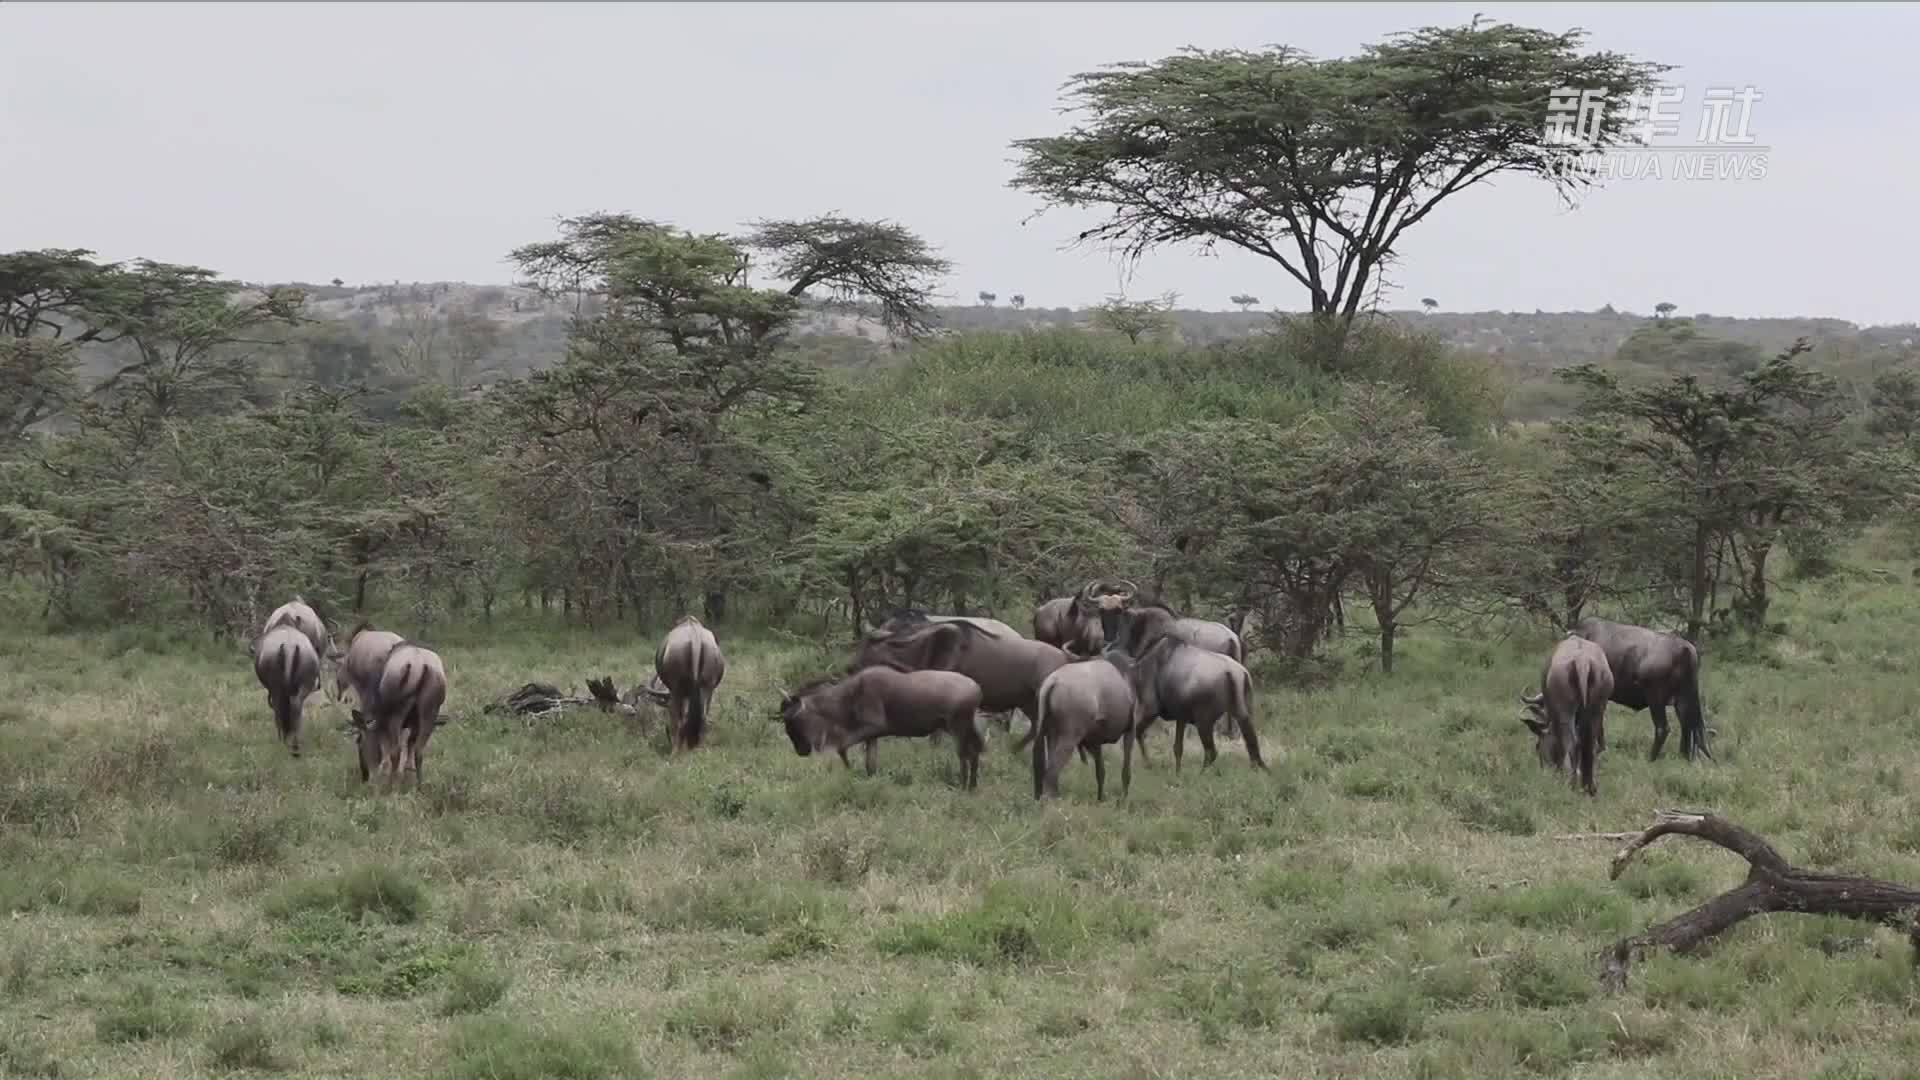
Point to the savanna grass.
(562, 899)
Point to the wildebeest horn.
(1128, 589)
(1534, 699)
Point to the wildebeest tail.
(284, 663)
(696, 697)
(1240, 713)
(1040, 739)
(412, 674)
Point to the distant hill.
(529, 332)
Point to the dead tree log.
(535, 699)
(1772, 884)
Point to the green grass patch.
(1022, 923)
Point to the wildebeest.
(401, 709)
(1568, 715)
(1008, 667)
(690, 663)
(299, 615)
(902, 618)
(1180, 681)
(884, 700)
(287, 664)
(359, 665)
(1085, 705)
(1652, 670)
(1072, 623)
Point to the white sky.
(376, 142)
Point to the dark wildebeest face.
(1108, 605)
(1549, 744)
(794, 715)
(805, 715)
(364, 746)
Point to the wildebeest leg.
(1659, 730)
(870, 750)
(1693, 730)
(1179, 740)
(1205, 727)
(842, 748)
(1247, 735)
(1033, 725)
(1140, 737)
(968, 740)
(1586, 732)
(1099, 773)
(1059, 753)
(1126, 763)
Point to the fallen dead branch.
(1772, 884)
(1610, 837)
(537, 699)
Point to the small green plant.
(142, 1013)
(473, 986)
(244, 1044)
(391, 893)
(496, 1048)
(725, 1018)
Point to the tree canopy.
(1320, 165)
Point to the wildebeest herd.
(1102, 665)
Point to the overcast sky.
(376, 142)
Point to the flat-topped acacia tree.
(1322, 165)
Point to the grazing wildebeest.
(1182, 682)
(690, 663)
(1568, 715)
(287, 664)
(883, 700)
(359, 666)
(301, 616)
(904, 618)
(1652, 670)
(1085, 705)
(402, 707)
(1072, 623)
(1008, 667)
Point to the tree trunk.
(856, 605)
(1380, 592)
(1697, 610)
(715, 607)
(360, 592)
(1772, 885)
(1754, 610)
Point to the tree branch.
(1771, 885)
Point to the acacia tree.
(193, 335)
(1740, 466)
(1423, 516)
(877, 262)
(1136, 319)
(1321, 166)
(641, 440)
(47, 303)
(1244, 301)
